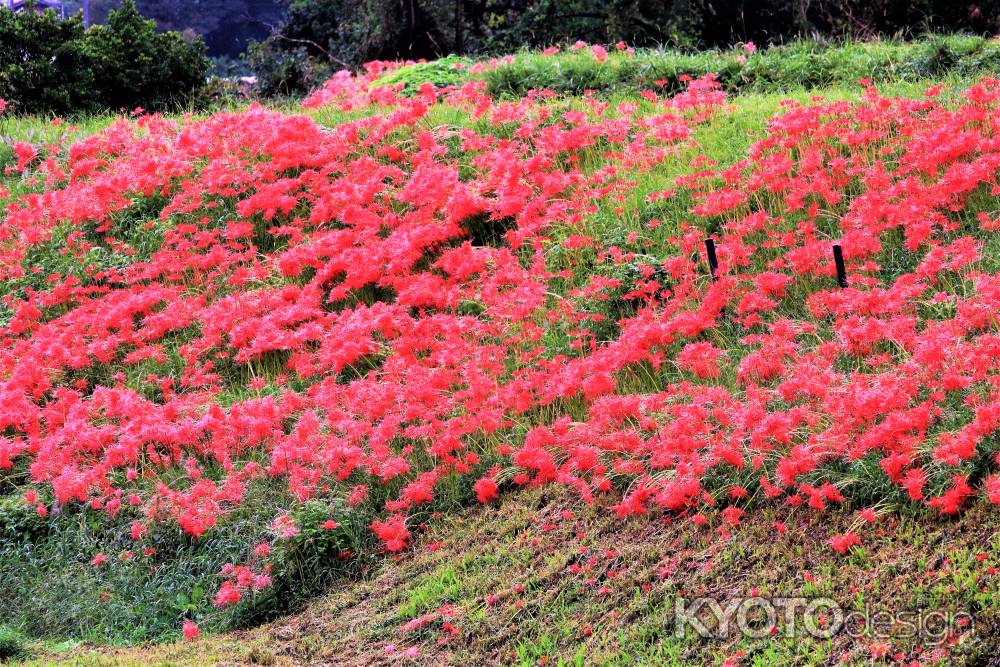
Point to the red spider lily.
(843, 542)
(190, 630)
(486, 490)
(381, 299)
(392, 532)
(227, 595)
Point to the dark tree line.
(226, 25)
(322, 35)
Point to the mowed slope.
(527, 584)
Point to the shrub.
(443, 72)
(136, 66)
(51, 65)
(283, 71)
(44, 65)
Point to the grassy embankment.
(918, 561)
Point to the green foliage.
(50, 65)
(12, 644)
(322, 35)
(312, 561)
(795, 66)
(502, 27)
(58, 592)
(441, 72)
(44, 64)
(136, 66)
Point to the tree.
(52, 65)
(318, 37)
(44, 65)
(135, 65)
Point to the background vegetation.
(799, 65)
(51, 65)
(319, 37)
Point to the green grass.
(13, 644)
(799, 65)
(44, 130)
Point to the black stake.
(838, 259)
(713, 261)
(713, 265)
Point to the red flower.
(392, 532)
(486, 490)
(227, 595)
(190, 630)
(844, 541)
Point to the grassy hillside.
(744, 69)
(255, 356)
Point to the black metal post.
(713, 265)
(838, 259)
(713, 261)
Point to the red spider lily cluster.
(321, 306)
